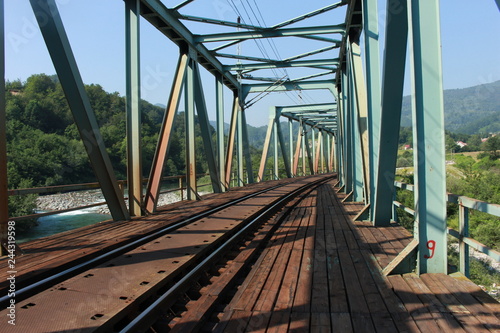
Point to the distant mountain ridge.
(473, 110)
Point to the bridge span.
(274, 257)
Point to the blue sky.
(469, 30)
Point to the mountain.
(473, 110)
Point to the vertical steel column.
(428, 134)
(317, 153)
(297, 152)
(4, 199)
(349, 161)
(57, 42)
(206, 135)
(275, 150)
(239, 148)
(163, 145)
(246, 148)
(133, 105)
(265, 149)
(303, 135)
(281, 139)
(313, 149)
(231, 138)
(361, 116)
(191, 190)
(308, 150)
(372, 64)
(396, 41)
(290, 146)
(219, 95)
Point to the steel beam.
(361, 115)
(396, 37)
(308, 150)
(189, 96)
(281, 139)
(269, 33)
(310, 14)
(163, 145)
(288, 86)
(4, 199)
(165, 21)
(281, 64)
(219, 92)
(318, 153)
(265, 150)
(246, 148)
(303, 136)
(429, 137)
(58, 45)
(372, 64)
(206, 134)
(133, 106)
(297, 151)
(231, 139)
(239, 148)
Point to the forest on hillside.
(44, 146)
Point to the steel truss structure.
(355, 135)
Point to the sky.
(469, 34)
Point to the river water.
(53, 224)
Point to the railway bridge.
(313, 247)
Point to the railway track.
(174, 277)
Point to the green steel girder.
(167, 23)
(182, 4)
(311, 14)
(310, 53)
(281, 64)
(189, 100)
(396, 42)
(219, 95)
(269, 33)
(218, 22)
(287, 86)
(204, 121)
(313, 76)
(243, 57)
(246, 148)
(428, 137)
(163, 145)
(133, 107)
(60, 51)
(308, 107)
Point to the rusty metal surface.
(101, 296)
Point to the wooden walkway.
(322, 273)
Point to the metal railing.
(88, 186)
(462, 235)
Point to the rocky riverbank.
(68, 200)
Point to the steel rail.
(146, 318)
(29, 290)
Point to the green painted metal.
(498, 4)
(396, 37)
(307, 148)
(361, 116)
(133, 106)
(265, 149)
(310, 14)
(281, 139)
(239, 148)
(268, 33)
(297, 152)
(182, 4)
(303, 151)
(59, 48)
(287, 86)
(246, 149)
(164, 19)
(206, 134)
(313, 150)
(428, 134)
(189, 96)
(231, 140)
(281, 64)
(219, 95)
(218, 22)
(373, 89)
(310, 53)
(163, 145)
(4, 199)
(275, 151)
(349, 161)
